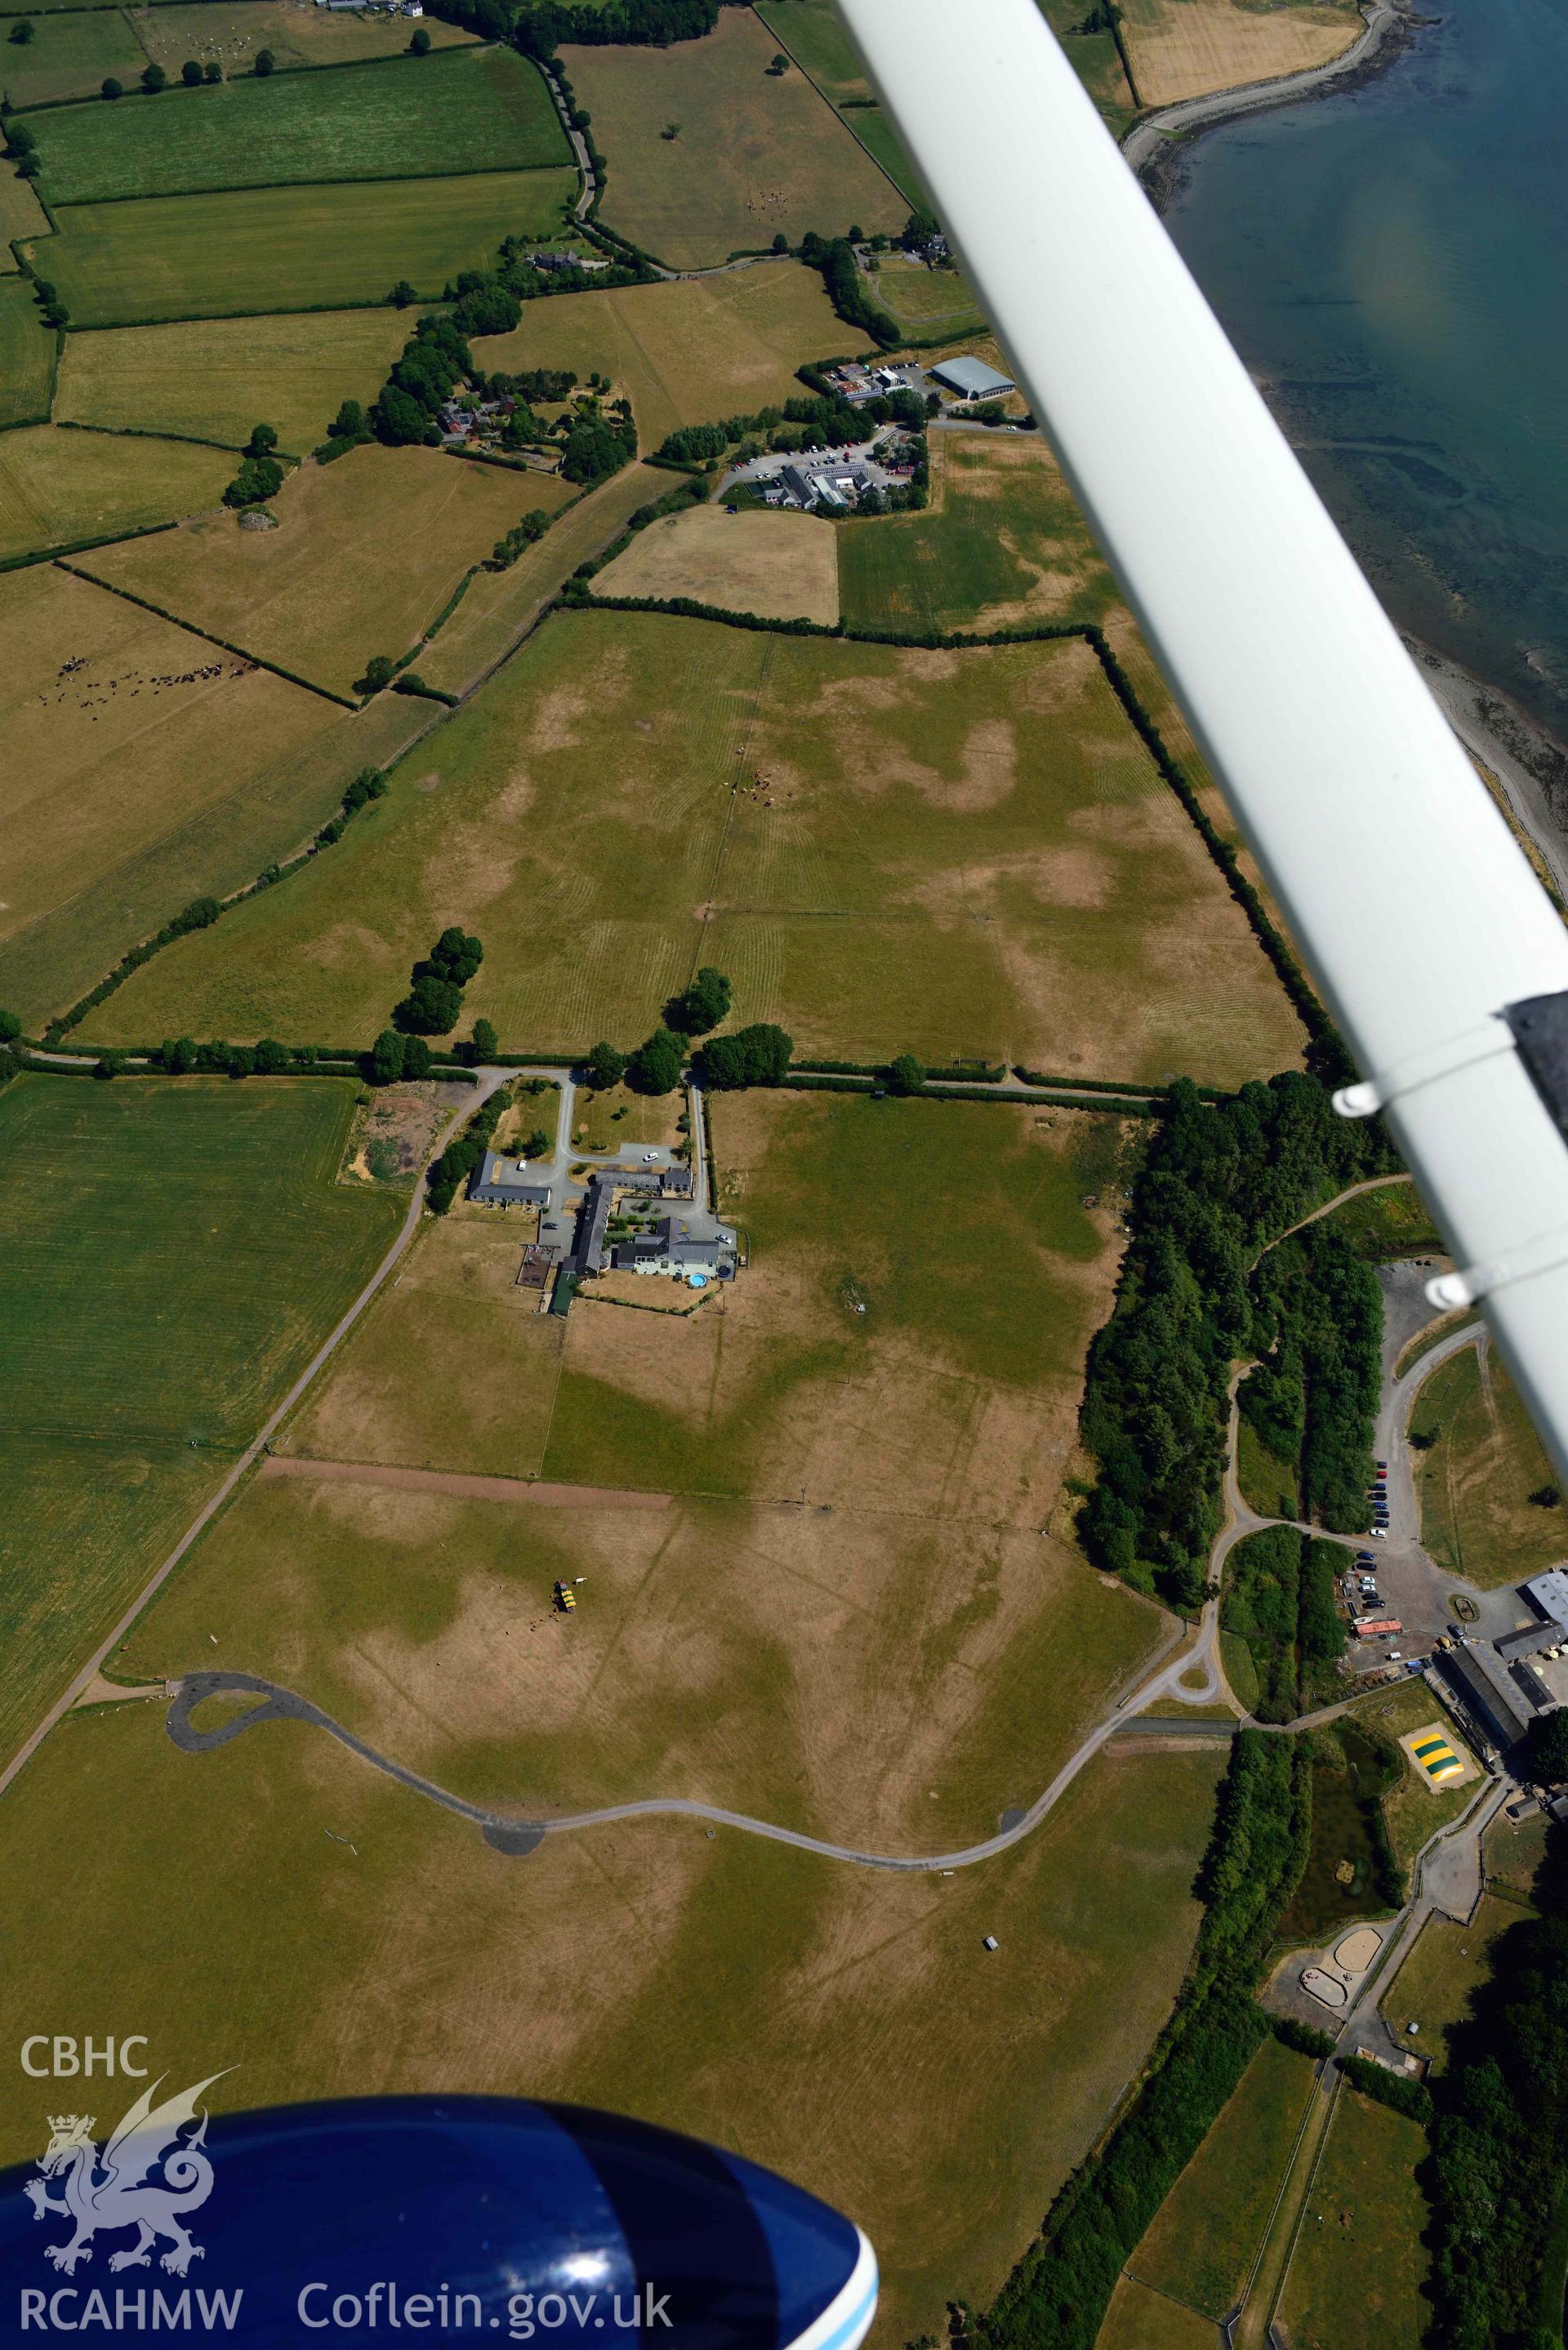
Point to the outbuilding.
(971, 378)
(500, 1182)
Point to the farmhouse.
(674, 1247)
(971, 378)
(500, 1182)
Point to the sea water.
(1391, 261)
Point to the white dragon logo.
(111, 2190)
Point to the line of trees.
(827, 420)
(1280, 1600)
(435, 359)
(461, 1156)
(1498, 2179)
(1057, 2296)
(1317, 1320)
(834, 257)
(1217, 1184)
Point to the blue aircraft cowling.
(451, 2219)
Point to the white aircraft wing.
(1417, 915)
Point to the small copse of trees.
(700, 1006)
(434, 1002)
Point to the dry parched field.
(953, 852)
(1182, 48)
(1474, 1483)
(497, 606)
(58, 487)
(119, 726)
(217, 804)
(687, 352)
(297, 32)
(215, 378)
(366, 552)
(847, 1556)
(260, 249)
(837, 2025)
(898, 1668)
(784, 567)
(756, 154)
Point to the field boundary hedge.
(1107, 1105)
(1324, 1037)
(368, 787)
(271, 187)
(777, 33)
(173, 87)
(83, 546)
(147, 433)
(241, 652)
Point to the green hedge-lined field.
(170, 1253)
(27, 355)
(271, 249)
(463, 110)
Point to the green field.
(902, 864)
(288, 248)
(927, 301)
(69, 54)
(1268, 1484)
(471, 109)
(1203, 2244)
(58, 487)
(1474, 1483)
(1141, 2319)
(1413, 1809)
(27, 355)
(1391, 1221)
(815, 35)
(755, 154)
(1512, 1851)
(216, 377)
(835, 2025)
(21, 214)
(1095, 58)
(877, 134)
(170, 1253)
(1002, 544)
(1356, 2276)
(1433, 1987)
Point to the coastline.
(1155, 147)
(1526, 765)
